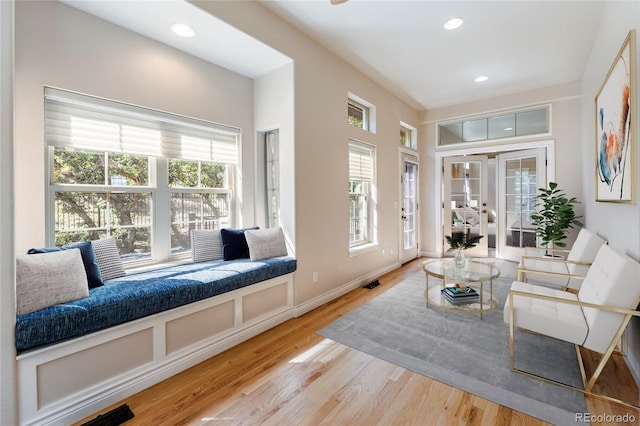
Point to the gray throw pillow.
(108, 258)
(206, 245)
(49, 279)
(266, 243)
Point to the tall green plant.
(555, 216)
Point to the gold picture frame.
(616, 133)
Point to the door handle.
(403, 217)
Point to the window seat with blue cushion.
(142, 294)
(77, 308)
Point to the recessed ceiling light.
(183, 30)
(453, 23)
(481, 79)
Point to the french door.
(409, 210)
(465, 200)
(520, 174)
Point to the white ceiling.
(215, 40)
(519, 45)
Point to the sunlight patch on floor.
(312, 352)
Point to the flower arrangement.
(462, 240)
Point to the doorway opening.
(512, 175)
(409, 192)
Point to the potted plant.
(554, 217)
(460, 241)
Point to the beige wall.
(76, 51)
(618, 223)
(274, 109)
(322, 82)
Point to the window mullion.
(161, 238)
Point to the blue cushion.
(138, 295)
(88, 260)
(234, 243)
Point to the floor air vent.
(372, 284)
(115, 417)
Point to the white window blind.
(88, 123)
(360, 162)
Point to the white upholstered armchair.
(594, 318)
(566, 272)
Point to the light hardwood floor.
(290, 375)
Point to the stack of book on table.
(460, 295)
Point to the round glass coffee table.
(467, 282)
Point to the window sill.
(362, 249)
(151, 266)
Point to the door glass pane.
(457, 187)
(472, 170)
(473, 186)
(513, 203)
(409, 205)
(520, 201)
(466, 198)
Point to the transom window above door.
(519, 123)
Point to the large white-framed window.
(142, 176)
(362, 194)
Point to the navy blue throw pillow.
(234, 243)
(88, 260)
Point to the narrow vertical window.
(272, 169)
(361, 194)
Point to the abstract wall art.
(616, 131)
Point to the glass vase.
(459, 259)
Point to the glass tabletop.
(472, 270)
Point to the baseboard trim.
(318, 301)
(430, 254)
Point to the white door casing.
(409, 219)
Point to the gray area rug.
(459, 349)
